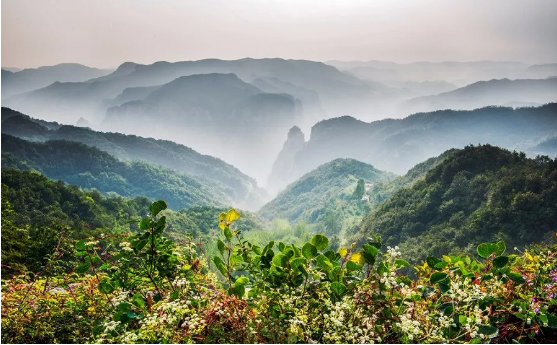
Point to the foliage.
(37, 213)
(145, 289)
(238, 187)
(89, 167)
(478, 194)
(324, 196)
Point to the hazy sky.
(105, 33)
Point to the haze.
(106, 33)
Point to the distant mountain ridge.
(243, 189)
(324, 79)
(397, 145)
(488, 93)
(456, 72)
(20, 81)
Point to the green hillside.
(307, 198)
(478, 194)
(89, 167)
(242, 188)
(37, 212)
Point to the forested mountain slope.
(88, 167)
(397, 145)
(480, 193)
(307, 198)
(243, 189)
(37, 212)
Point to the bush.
(145, 289)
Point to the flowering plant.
(145, 289)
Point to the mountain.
(397, 145)
(11, 69)
(68, 101)
(541, 71)
(17, 82)
(37, 210)
(546, 147)
(477, 194)
(240, 187)
(223, 115)
(458, 73)
(283, 167)
(488, 93)
(307, 199)
(88, 167)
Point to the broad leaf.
(158, 206)
(320, 242)
(309, 251)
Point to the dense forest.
(240, 188)
(89, 167)
(476, 194)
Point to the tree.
(360, 190)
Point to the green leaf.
(431, 261)
(84, 267)
(309, 251)
(401, 263)
(235, 260)
(489, 331)
(320, 241)
(124, 307)
(369, 252)
(352, 266)
(157, 206)
(447, 308)
(324, 263)
(501, 247)
(146, 224)
(139, 301)
(516, 277)
(160, 225)
(280, 260)
(141, 244)
(443, 286)
(227, 234)
(241, 281)
(296, 250)
(220, 265)
(105, 286)
(297, 262)
(486, 249)
(239, 290)
(500, 261)
(221, 246)
(338, 288)
(438, 277)
(80, 245)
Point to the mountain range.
(17, 81)
(398, 144)
(240, 188)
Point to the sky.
(106, 33)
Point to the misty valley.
(279, 201)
